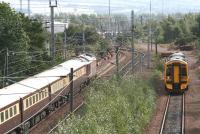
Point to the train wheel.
(37, 119)
(43, 115)
(27, 126)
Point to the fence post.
(117, 61)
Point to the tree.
(35, 32)
(157, 36)
(22, 37)
(12, 34)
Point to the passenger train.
(176, 75)
(27, 102)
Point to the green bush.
(155, 78)
(113, 107)
(198, 73)
(158, 64)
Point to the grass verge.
(114, 108)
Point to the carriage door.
(176, 79)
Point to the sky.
(117, 6)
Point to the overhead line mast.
(149, 40)
(52, 44)
(20, 5)
(132, 39)
(29, 8)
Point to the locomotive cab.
(176, 74)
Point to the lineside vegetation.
(114, 107)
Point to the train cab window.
(11, 112)
(6, 114)
(183, 71)
(15, 110)
(168, 70)
(2, 117)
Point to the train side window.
(11, 111)
(30, 101)
(36, 97)
(40, 95)
(6, 114)
(45, 93)
(15, 110)
(26, 103)
(33, 99)
(2, 117)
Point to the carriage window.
(183, 71)
(6, 114)
(168, 70)
(30, 100)
(15, 109)
(2, 117)
(36, 97)
(33, 99)
(26, 103)
(40, 95)
(11, 112)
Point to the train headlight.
(168, 79)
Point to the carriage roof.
(27, 86)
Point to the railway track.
(173, 119)
(137, 64)
(125, 69)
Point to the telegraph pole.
(150, 27)
(109, 25)
(20, 5)
(29, 8)
(132, 39)
(83, 37)
(5, 68)
(162, 8)
(117, 61)
(149, 36)
(65, 42)
(71, 89)
(52, 45)
(141, 20)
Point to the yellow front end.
(176, 77)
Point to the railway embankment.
(114, 106)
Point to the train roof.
(178, 56)
(27, 86)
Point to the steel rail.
(78, 107)
(167, 117)
(164, 116)
(183, 114)
(67, 117)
